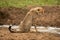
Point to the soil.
(13, 15)
(6, 35)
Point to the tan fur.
(26, 23)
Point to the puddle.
(39, 28)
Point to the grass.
(22, 3)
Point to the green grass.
(22, 3)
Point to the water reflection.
(39, 28)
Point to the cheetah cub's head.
(38, 10)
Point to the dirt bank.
(6, 35)
(12, 15)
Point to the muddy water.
(39, 28)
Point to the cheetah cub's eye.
(38, 9)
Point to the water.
(39, 28)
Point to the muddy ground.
(13, 15)
(6, 35)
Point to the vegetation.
(22, 3)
